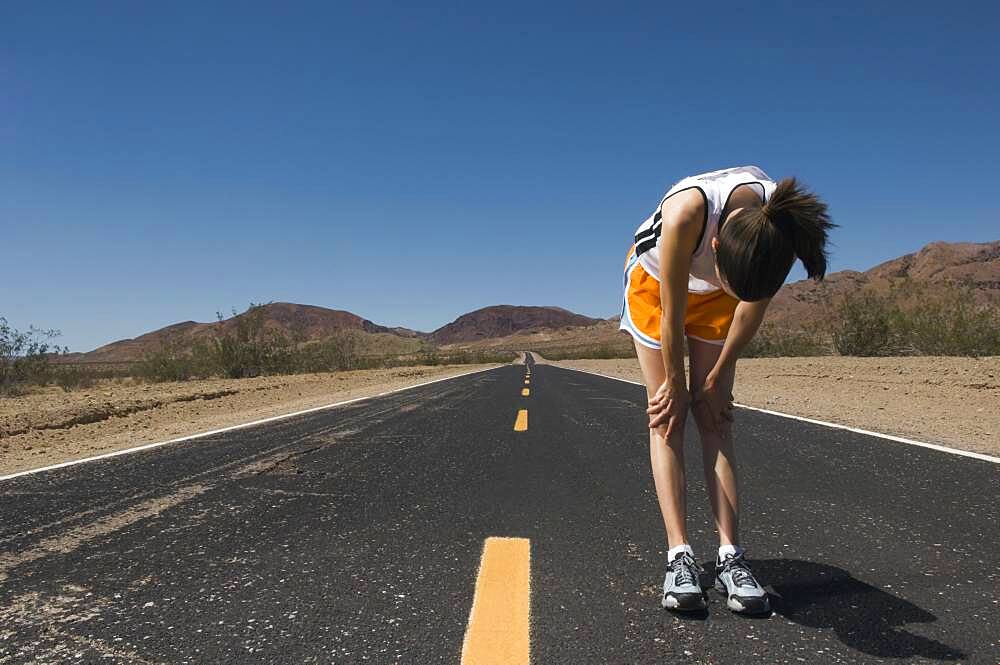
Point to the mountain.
(303, 322)
(310, 323)
(503, 320)
(937, 269)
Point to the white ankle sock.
(729, 549)
(683, 547)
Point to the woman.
(704, 266)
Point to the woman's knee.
(712, 433)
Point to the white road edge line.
(880, 435)
(148, 446)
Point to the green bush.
(171, 363)
(952, 327)
(770, 342)
(340, 351)
(947, 323)
(24, 357)
(248, 349)
(604, 350)
(72, 377)
(868, 324)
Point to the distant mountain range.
(312, 323)
(937, 266)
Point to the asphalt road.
(354, 535)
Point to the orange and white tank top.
(716, 187)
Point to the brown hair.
(758, 246)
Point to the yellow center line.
(521, 424)
(525, 392)
(526, 382)
(498, 633)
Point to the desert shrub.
(338, 352)
(603, 350)
(952, 326)
(342, 350)
(24, 357)
(431, 355)
(476, 357)
(772, 342)
(943, 323)
(171, 363)
(868, 324)
(247, 348)
(73, 377)
(244, 349)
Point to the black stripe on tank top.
(646, 240)
(653, 228)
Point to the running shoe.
(735, 581)
(681, 590)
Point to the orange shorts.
(707, 318)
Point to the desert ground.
(948, 401)
(49, 426)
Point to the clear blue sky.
(162, 161)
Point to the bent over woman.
(704, 267)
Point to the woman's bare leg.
(666, 457)
(718, 453)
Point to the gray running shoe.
(736, 582)
(681, 590)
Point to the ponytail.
(803, 218)
(758, 246)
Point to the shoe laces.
(739, 570)
(685, 569)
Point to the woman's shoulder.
(687, 199)
(685, 209)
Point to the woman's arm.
(746, 321)
(682, 219)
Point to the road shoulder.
(946, 401)
(51, 426)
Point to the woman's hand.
(718, 404)
(668, 408)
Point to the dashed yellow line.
(521, 424)
(526, 382)
(498, 632)
(525, 392)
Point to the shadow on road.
(864, 617)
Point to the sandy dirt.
(51, 426)
(949, 401)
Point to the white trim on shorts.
(626, 322)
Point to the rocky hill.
(301, 322)
(934, 269)
(504, 320)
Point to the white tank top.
(716, 188)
